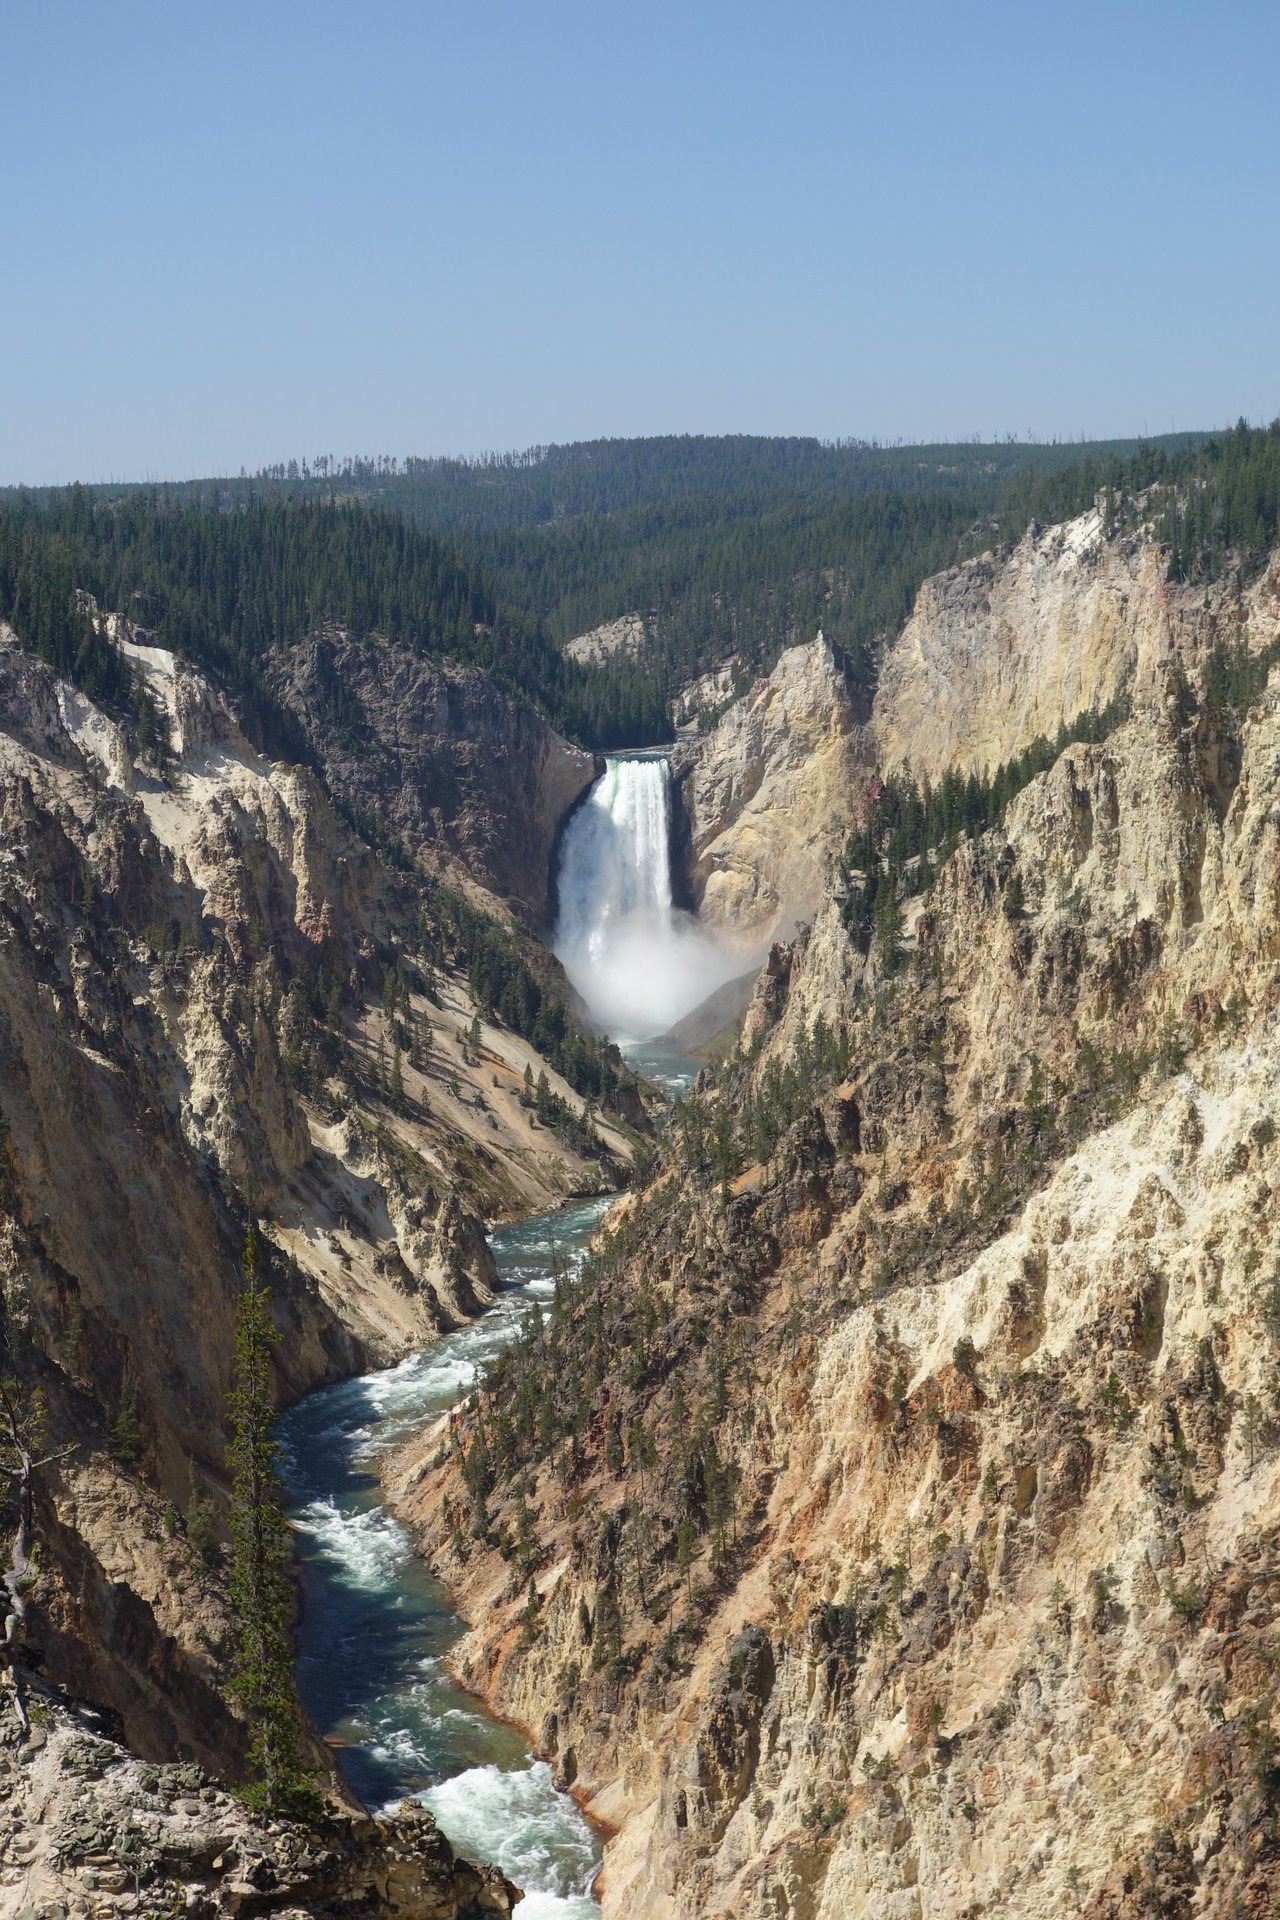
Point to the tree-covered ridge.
(729, 547)
(741, 546)
(745, 583)
(1222, 505)
(554, 484)
(223, 588)
(1213, 501)
(39, 598)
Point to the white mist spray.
(639, 965)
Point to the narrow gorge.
(770, 1238)
(221, 1006)
(376, 1633)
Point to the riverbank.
(376, 1630)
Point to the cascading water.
(376, 1630)
(639, 964)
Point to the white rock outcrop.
(768, 797)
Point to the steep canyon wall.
(916, 1551)
(467, 778)
(194, 1029)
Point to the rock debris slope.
(917, 1551)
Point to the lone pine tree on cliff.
(259, 1582)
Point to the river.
(376, 1627)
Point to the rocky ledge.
(88, 1830)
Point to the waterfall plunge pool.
(639, 963)
(376, 1627)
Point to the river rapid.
(376, 1628)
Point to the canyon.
(918, 1552)
(219, 1005)
(886, 1521)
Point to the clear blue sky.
(235, 233)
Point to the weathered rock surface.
(459, 770)
(997, 652)
(626, 636)
(706, 697)
(990, 1339)
(86, 1828)
(766, 798)
(166, 936)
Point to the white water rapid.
(639, 964)
(377, 1632)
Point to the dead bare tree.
(19, 1462)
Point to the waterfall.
(638, 963)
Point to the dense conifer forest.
(730, 548)
(223, 588)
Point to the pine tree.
(528, 1553)
(686, 1553)
(23, 1436)
(888, 926)
(202, 1522)
(530, 1616)
(259, 1582)
(606, 1636)
(124, 1437)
